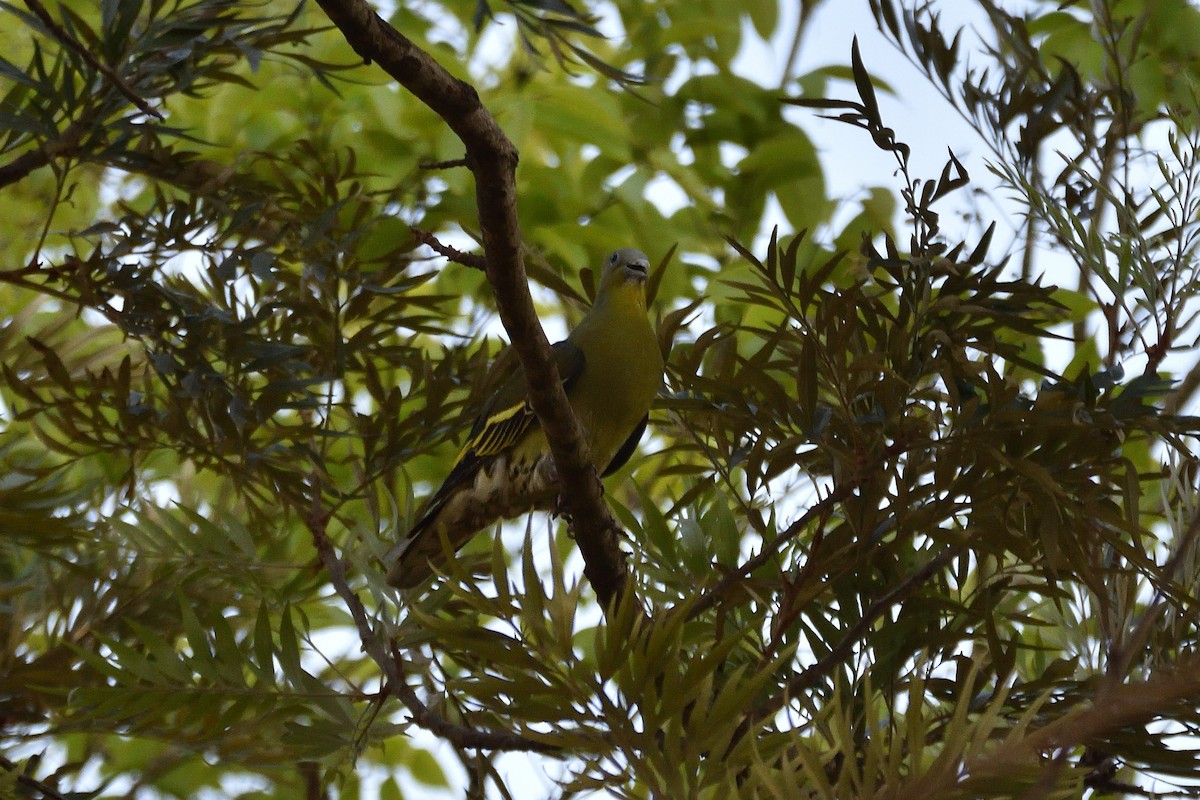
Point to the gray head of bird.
(625, 266)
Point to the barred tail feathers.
(503, 487)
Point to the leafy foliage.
(885, 538)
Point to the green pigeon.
(611, 368)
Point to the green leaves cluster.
(885, 538)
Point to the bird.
(611, 367)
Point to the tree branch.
(66, 144)
(451, 164)
(804, 680)
(1113, 709)
(822, 508)
(391, 661)
(72, 43)
(492, 159)
(31, 784)
(472, 260)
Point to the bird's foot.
(596, 477)
(559, 509)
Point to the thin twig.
(1182, 393)
(819, 509)
(789, 64)
(66, 144)
(391, 661)
(451, 164)
(29, 782)
(809, 676)
(472, 260)
(1125, 652)
(1114, 709)
(116, 80)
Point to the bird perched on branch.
(611, 368)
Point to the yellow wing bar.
(500, 431)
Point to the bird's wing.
(627, 449)
(506, 418)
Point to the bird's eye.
(613, 258)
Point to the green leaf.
(426, 769)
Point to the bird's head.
(624, 267)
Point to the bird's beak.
(637, 271)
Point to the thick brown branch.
(492, 159)
(1113, 709)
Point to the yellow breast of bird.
(614, 393)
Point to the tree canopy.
(918, 510)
